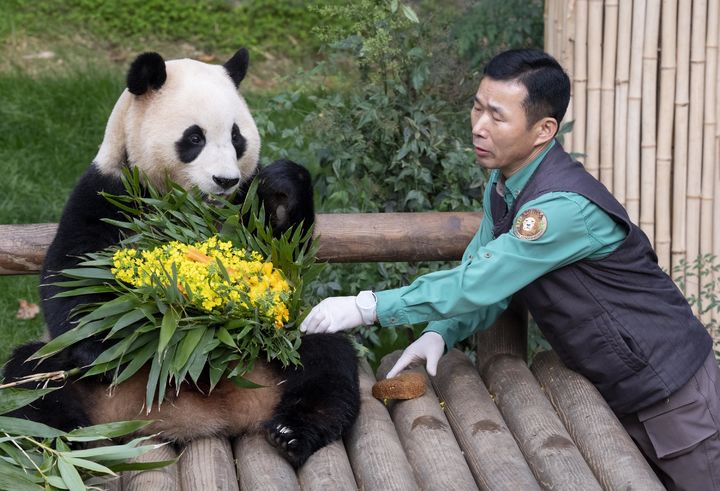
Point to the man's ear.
(545, 130)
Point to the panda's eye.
(235, 135)
(191, 144)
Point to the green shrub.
(490, 27)
(388, 141)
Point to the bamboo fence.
(645, 108)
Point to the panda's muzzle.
(225, 182)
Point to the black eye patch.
(190, 144)
(238, 141)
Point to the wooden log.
(343, 237)
(376, 454)
(680, 138)
(163, 479)
(492, 453)
(632, 185)
(507, 335)
(663, 164)
(260, 466)
(546, 444)
(327, 469)
(427, 438)
(607, 448)
(208, 463)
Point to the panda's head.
(183, 120)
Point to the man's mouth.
(481, 152)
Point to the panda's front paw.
(292, 442)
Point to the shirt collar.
(511, 187)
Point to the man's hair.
(547, 84)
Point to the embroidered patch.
(531, 224)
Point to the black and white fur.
(185, 120)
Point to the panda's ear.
(237, 66)
(112, 154)
(146, 72)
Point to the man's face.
(500, 132)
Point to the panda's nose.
(224, 182)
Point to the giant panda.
(185, 120)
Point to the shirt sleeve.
(491, 273)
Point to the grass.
(50, 128)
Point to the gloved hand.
(332, 315)
(430, 347)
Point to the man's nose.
(479, 128)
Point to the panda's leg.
(64, 408)
(320, 400)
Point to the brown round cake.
(408, 385)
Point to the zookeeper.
(555, 239)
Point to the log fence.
(496, 424)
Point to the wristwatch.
(366, 301)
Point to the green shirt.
(469, 297)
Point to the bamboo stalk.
(592, 142)
(632, 192)
(695, 132)
(607, 93)
(680, 150)
(708, 175)
(710, 122)
(580, 78)
(568, 59)
(664, 133)
(622, 82)
(649, 118)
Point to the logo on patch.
(531, 224)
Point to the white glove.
(336, 314)
(430, 347)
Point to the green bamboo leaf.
(71, 337)
(115, 452)
(244, 383)
(137, 361)
(167, 328)
(90, 290)
(19, 426)
(14, 398)
(107, 430)
(88, 273)
(119, 305)
(125, 320)
(70, 475)
(86, 464)
(226, 338)
(152, 383)
(13, 478)
(187, 346)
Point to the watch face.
(366, 300)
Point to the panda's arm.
(80, 230)
(286, 192)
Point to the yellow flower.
(250, 286)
